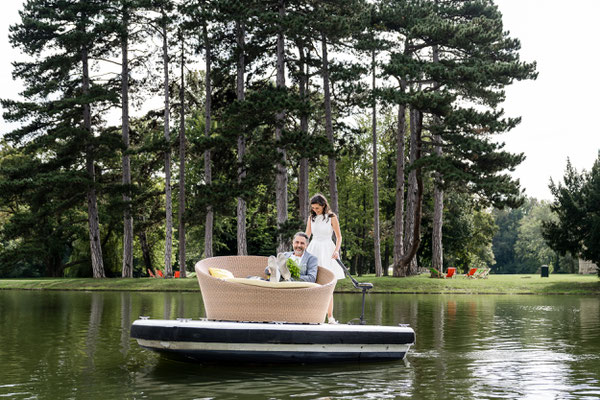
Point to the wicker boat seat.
(233, 301)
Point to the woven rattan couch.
(231, 301)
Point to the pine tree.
(124, 14)
(437, 250)
(165, 8)
(42, 215)
(281, 179)
(60, 115)
(208, 229)
(576, 205)
(476, 60)
(126, 21)
(127, 217)
(240, 91)
(372, 44)
(376, 230)
(198, 15)
(303, 91)
(182, 150)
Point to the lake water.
(76, 345)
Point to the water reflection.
(76, 345)
(299, 381)
(125, 321)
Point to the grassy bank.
(501, 284)
(495, 284)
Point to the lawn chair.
(159, 273)
(471, 273)
(435, 273)
(177, 274)
(151, 274)
(450, 273)
(482, 273)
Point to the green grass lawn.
(497, 284)
(505, 284)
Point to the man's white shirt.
(297, 259)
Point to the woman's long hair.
(322, 201)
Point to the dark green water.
(76, 345)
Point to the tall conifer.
(476, 61)
(63, 40)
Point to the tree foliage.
(519, 245)
(54, 158)
(576, 204)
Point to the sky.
(559, 110)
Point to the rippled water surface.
(76, 345)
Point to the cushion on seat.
(274, 285)
(220, 273)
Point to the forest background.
(389, 108)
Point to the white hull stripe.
(205, 324)
(267, 347)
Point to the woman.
(322, 223)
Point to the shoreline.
(557, 284)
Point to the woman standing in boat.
(322, 224)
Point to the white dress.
(322, 246)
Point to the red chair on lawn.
(177, 274)
(159, 273)
(451, 271)
(471, 273)
(151, 274)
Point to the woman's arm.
(308, 230)
(335, 224)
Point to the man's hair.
(304, 235)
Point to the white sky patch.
(560, 108)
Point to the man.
(307, 262)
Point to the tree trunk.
(94, 224)
(407, 264)
(281, 179)
(145, 250)
(386, 259)
(437, 250)
(168, 202)
(376, 235)
(333, 192)
(411, 196)
(208, 226)
(363, 236)
(437, 256)
(241, 144)
(303, 197)
(303, 173)
(127, 269)
(181, 211)
(399, 209)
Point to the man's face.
(299, 245)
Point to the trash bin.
(545, 271)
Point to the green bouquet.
(293, 268)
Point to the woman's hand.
(335, 255)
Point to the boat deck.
(205, 340)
